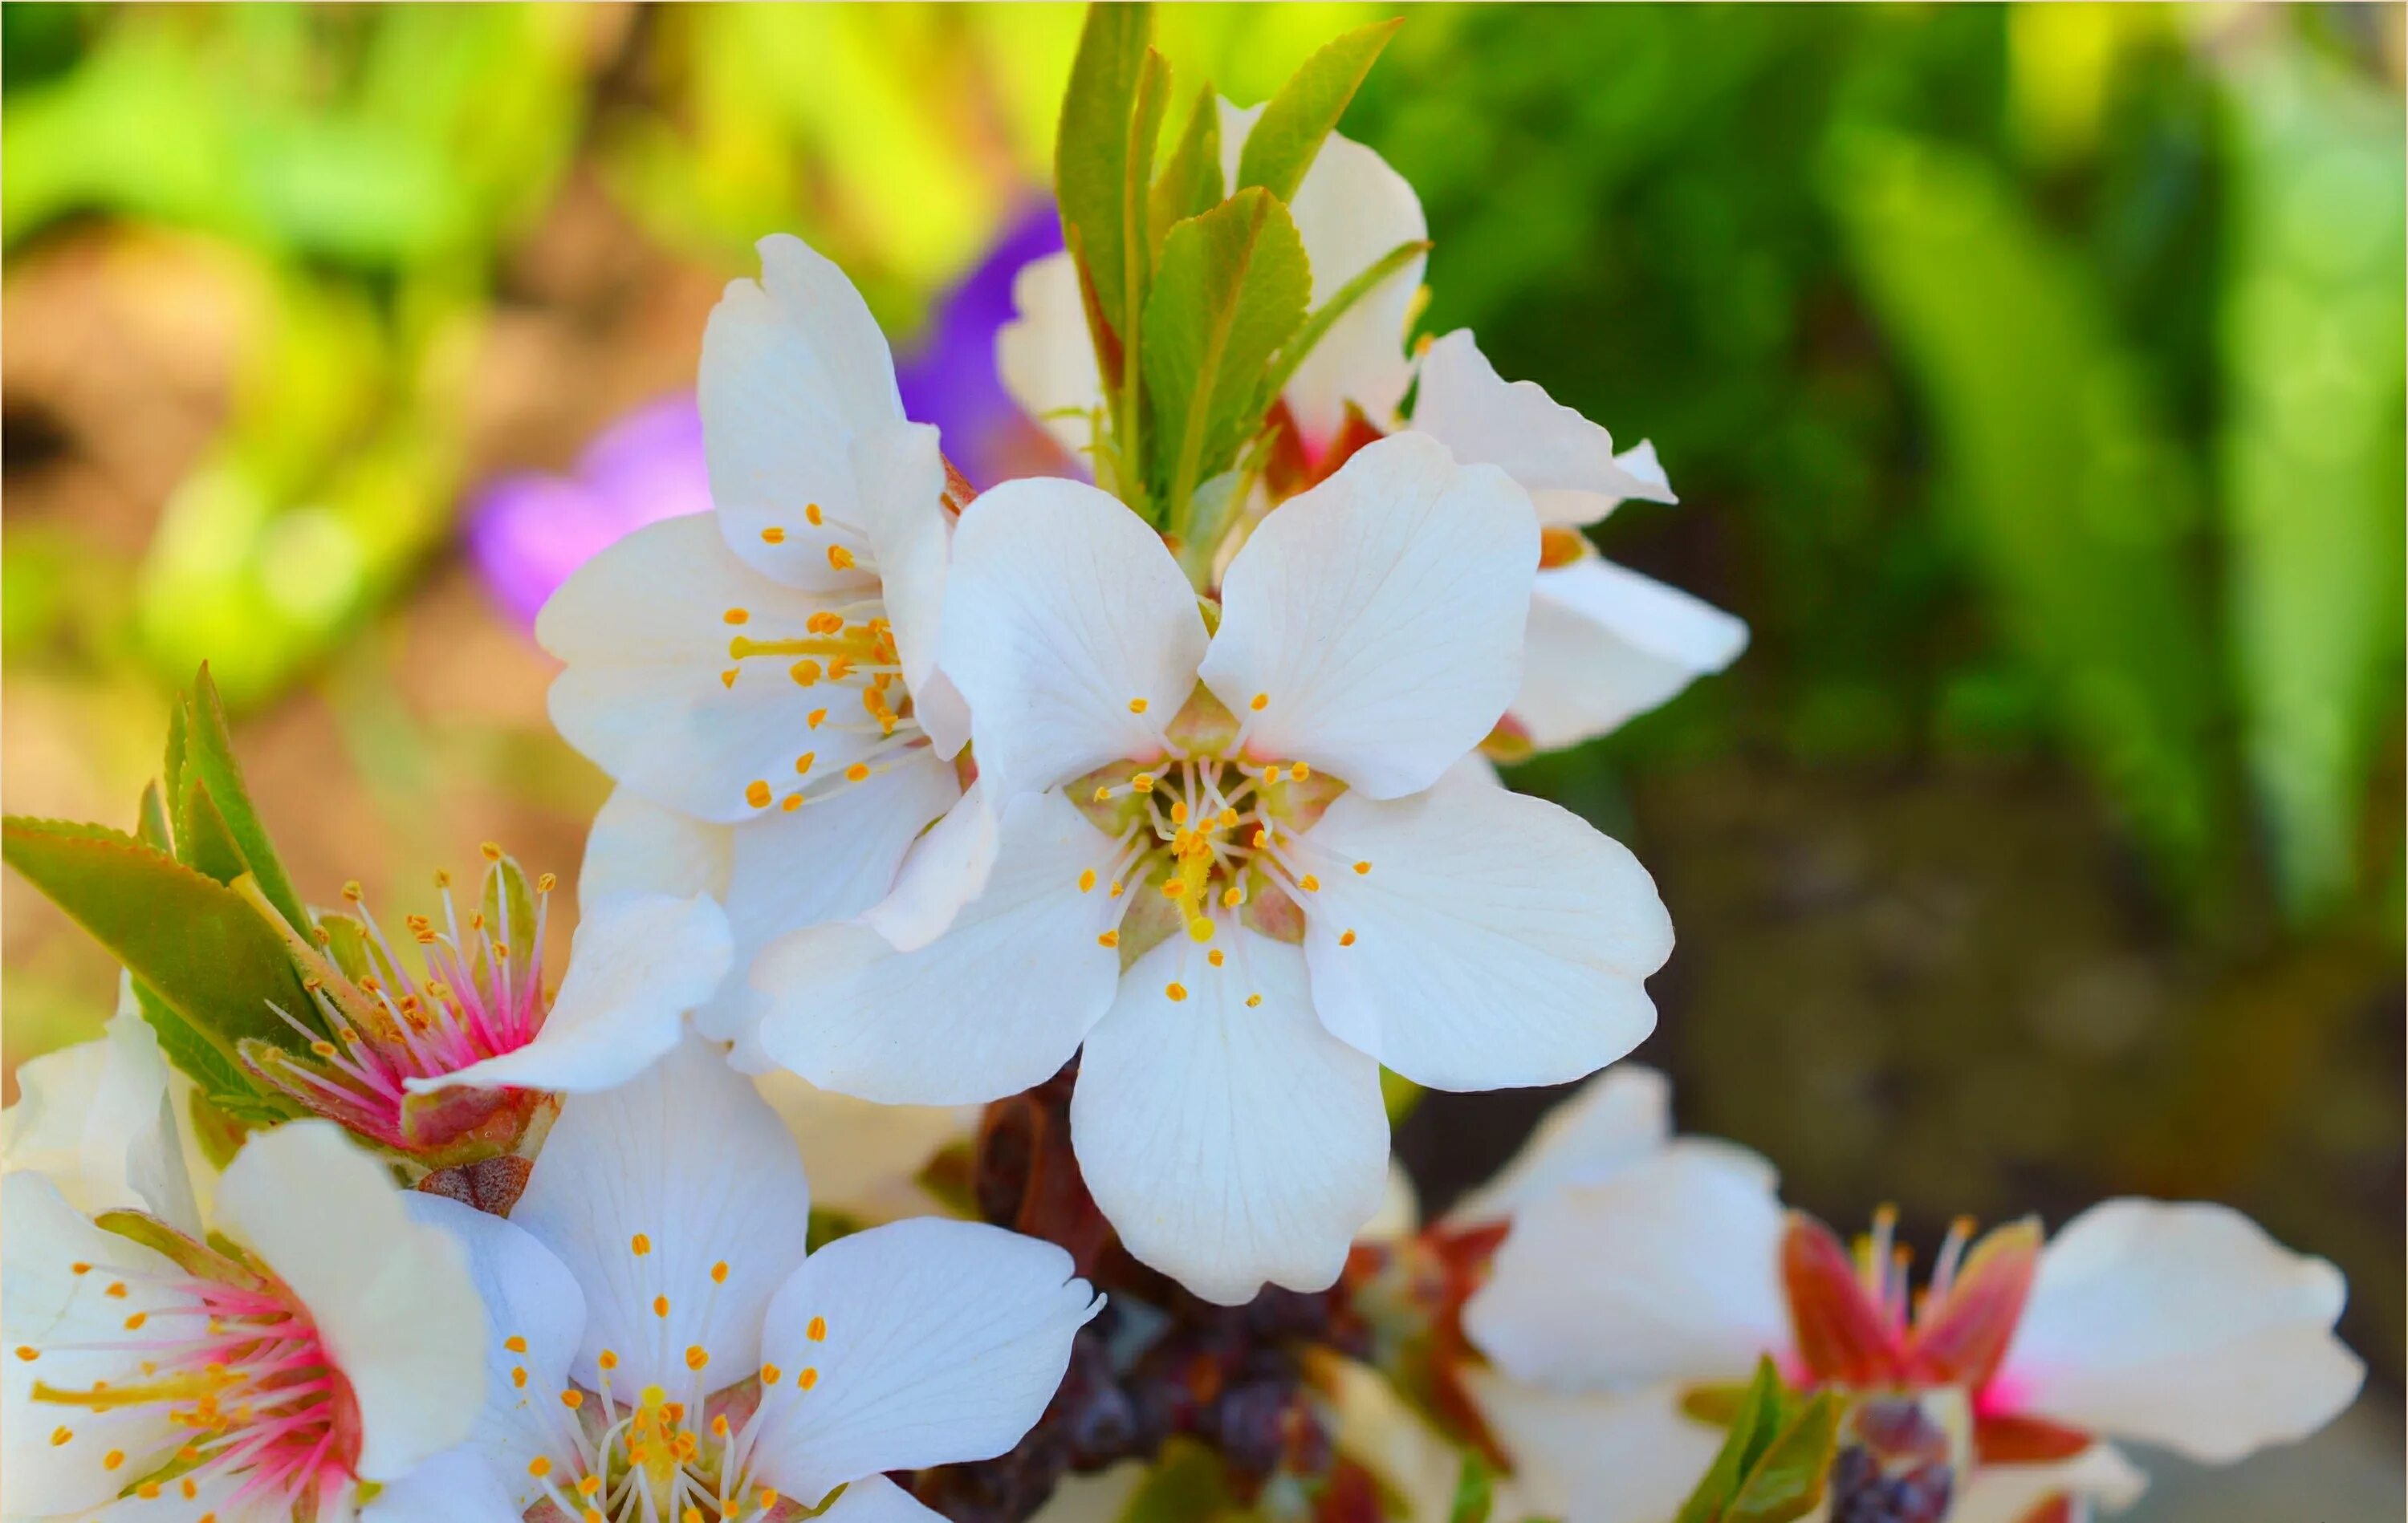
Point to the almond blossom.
(1231, 862)
(663, 1348)
(1637, 1283)
(1604, 643)
(761, 678)
(319, 1339)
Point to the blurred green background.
(2032, 378)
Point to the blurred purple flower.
(527, 531)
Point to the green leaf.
(1293, 352)
(150, 822)
(174, 776)
(1090, 154)
(1189, 1484)
(1752, 1432)
(1230, 290)
(209, 756)
(1474, 1492)
(208, 954)
(1787, 1481)
(1294, 124)
(205, 843)
(216, 1076)
(1190, 183)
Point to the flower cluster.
(1099, 860)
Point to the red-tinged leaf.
(2008, 1439)
(1960, 1337)
(1841, 1336)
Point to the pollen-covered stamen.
(476, 992)
(238, 1363)
(847, 647)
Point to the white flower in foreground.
(98, 1120)
(761, 679)
(1605, 643)
(661, 1347)
(1622, 1301)
(1229, 863)
(322, 1339)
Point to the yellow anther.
(352, 892)
(1137, 705)
(1109, 938)
(1260, 702)
(1232, 896)
(1272, 773)
(1252, 1000)
(28, 1353)
(113, 1459)
(660, 1305)
(840, 559)
(768, 1497)
(1178, 814)
(1301, 771)
(805, 671)
(1229, 817)
(792, 802)
(519, 1376)
(1361, 868)
(770, 1374)
(1215, 956)
(322, 1049)
(1346, 939)
(817, 1331)
(811, 512)
(639, 1244)
(756, 793)
(773, 535)
(1142, 782)
(737, 616)
(803, 762)
(607, 1359)
(696, 1356)
(1308, 884)
(541, 1466)
(719, 1273)
(807, 1378)
(136, 1321)
(1118, 888)
(1086, 880)
(572, 1399)
(1175, 992)
(548, 882)
(588, 1484)
(515, 1343)
(815, 718)
(1103, 795)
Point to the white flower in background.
(1232, 864)
(1635, 1285)
(662, 1349)
(99, 1120)
(1604, 644)
(760, 679)
(1351, 209)
(322, 1339)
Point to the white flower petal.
(793, 370)
(46, 1305)
(1566, 463)
(1045, 357)
(828, 861)
(99, 1118)
(865, 1160)
(637, 847)
(534, 1318)
(902, 469)
(2182, 1325)
(219, 1494)
(637, 965)
(944, 870)
(2098, 1475)
(939, 1342)
(1669, 1271)
(1587, 1459)
(1606, 644)
(1229, 1145)
(644, 629)
(874, 1499)
(1069, 630)
(1616, 1120)
(1351, 209)
(994, 1005)
(392, 1296)
(456, 1486)
(1379, 617)
(690, 1158)
(1499, 940)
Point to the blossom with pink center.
(319, 1339)
(418, 1054)
(1642, 1279)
